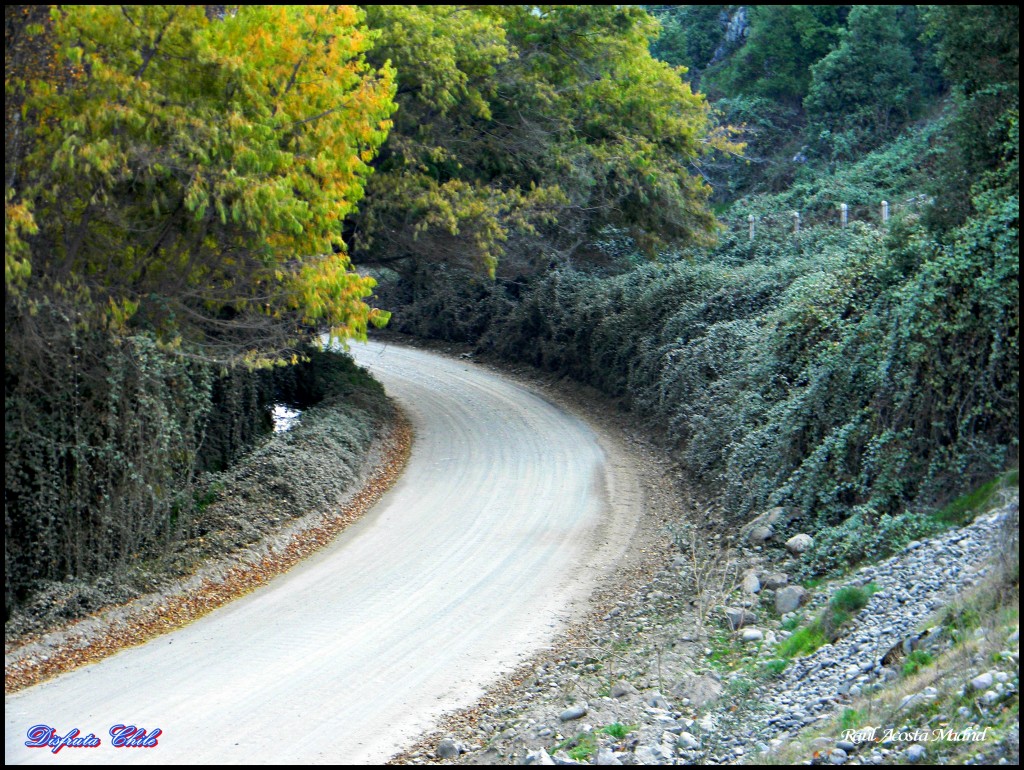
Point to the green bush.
(617, 730)
(915, 661)
(850, 599)
(803, 642)
(860, 377)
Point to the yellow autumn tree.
(188, 172)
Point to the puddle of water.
(285, 417)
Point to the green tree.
(191, 175)
(522, 131)
(783, 42)
(690, 35)
(978, 49)
(871, 85)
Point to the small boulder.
(656, 700)
(798, 544)
(574, 712)
(448, 749)
(751, 584)
(837, 757)
(760, 535)
(650, 755)
(622, 690)
(700, 690)
(768, 519)
(775, 581)
(688, 741)
(607, 757)
(789, 599)
(915, 753)
(751, 635)
(982, 682)
(739, 617)
(539, 757)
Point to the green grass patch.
(852, 599)
(850, 719)
(915, 661)
(842, 606)
(773, 668)
(791, 624)
(580, 748)
(617, 730)
(804, 641)
(962, 510)
(741, 685)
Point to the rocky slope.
(692, 667)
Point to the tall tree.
(538, 125)
(191, 175)
(978, 49)
(783, 41)
(872, 84)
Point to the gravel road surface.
(509, 513)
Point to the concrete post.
(796, 222)
(885, 212)
(750, 219)
(843, 209)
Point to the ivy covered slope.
(861, 377)
(176, 184)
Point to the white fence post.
(750, 219)
(796, 222)
(842, 214)
(885, 212)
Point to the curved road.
(467, 566)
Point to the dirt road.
(509, 510)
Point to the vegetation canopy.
(524, 131)
(189, 173)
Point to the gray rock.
(798, 544)
(751, 635)
(983, 681)
(700, 690)
(574, 712)
(622, 690)
(750, 584)
(846, 746)
(688, 741)
(760, 535)
(656, 700)
(915, 753)
(561, 758)
(991, 697)
(650, 755)
(837, 757)
(789, 599)
(539, 757)
(607, 757)
(766, 520)
(739, 617)
(448, 749)
(775, 580)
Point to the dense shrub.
(101, 444)
(854, 376)
(106, 437)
